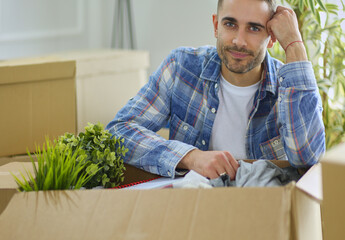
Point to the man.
(228, 103)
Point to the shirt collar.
(269, 81)
(211, 69)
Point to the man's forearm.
(296, 52)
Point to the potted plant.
(89, 160)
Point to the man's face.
(242, 37)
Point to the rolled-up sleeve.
(142, 117)
(300, 114)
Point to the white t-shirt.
(230, 125)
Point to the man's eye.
(254, 29)
(230, 24)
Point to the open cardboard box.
(288, 212)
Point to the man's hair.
(271, 4)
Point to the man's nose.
(240, 39)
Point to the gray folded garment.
(261, 173)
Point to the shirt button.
(216, 85)
(185, 128)
(169, 173)
(275, 143)
(213, 110)
(281, 79)
(203, 142)
(279, 99)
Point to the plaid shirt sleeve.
(300, 113)
(145, 114)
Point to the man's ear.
(215, 25)
(272, 40)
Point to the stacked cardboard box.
(51, 95)
(106, 80)
(37, 99)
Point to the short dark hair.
(271, 3)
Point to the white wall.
(38, 27)
(163, 25)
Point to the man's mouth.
(236, 54)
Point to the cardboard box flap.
(6, 196)
(333, 178)
(15, 168)
(132, 174)
(335, 155)
(18, 158)
(305, 216)
(151, 214)
(35, 69)
(311, 182)
(105, 61)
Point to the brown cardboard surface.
(238, 213)
(5, 198)
(35, 69)
(133, 174)
(8, 186)
(164, 132)
(106, 79)
(103, 61)
(311, 183)
(36, 100)
(23, 164)
(18, 158)
(52, 95)
(336, 155)
(151, 214)
(306, 216)
(15, 168)
(333, 207)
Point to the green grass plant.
(91, 159)
(57, 170)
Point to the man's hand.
(210, 164)
(284, 27)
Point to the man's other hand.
(284, 27)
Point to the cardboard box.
(37, 99)
(106, 79)
(62, 93)
(17, 158)
(287, 212)
(22, 164)
(333, 207)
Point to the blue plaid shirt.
(285, 122)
